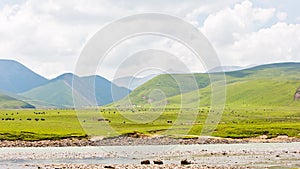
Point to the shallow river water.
(253, 155)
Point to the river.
(253, 155)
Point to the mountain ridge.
(61, 90)
(97, 91)
(17, 78)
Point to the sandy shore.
(125, 141)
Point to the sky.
(48, 36)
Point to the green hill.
(285, 71)
(35, 103)
(265, 85)
(7, 102)
(167, 86)
(252, 93)
(89, 91)
(57, 93)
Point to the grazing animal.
(145, 162)
(170, 121)
(159, 162)
(185, 162)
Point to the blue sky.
(47, 36)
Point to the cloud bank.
(47, 36)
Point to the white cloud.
(34, 33)
(207, 8)
(240, 40)
(47, 36)
(277, 43)
(122, 53)
(281, 16)
(225, 26)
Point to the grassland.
(259, 101)
(39, 124)
(235, 123)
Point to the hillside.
(16, 78)
(132, 82)
(272, 84)
(58, 92)
(7, 102)
(253, 93)
(285, 71)
(166, 86)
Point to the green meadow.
(39, 124)
(235, 123)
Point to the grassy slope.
(252, 93)
(7, 102)
(169, 85)
(56, 93)
(272, 84)
(35, 103)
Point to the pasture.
(39, 124)
(239, 122)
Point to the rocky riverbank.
(133, 166)
(213, 156)
(125, 141)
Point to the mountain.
(131, 82)
(88, 91)
(271, 84)
(7, 102)
(16, 78)
(107, 92)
